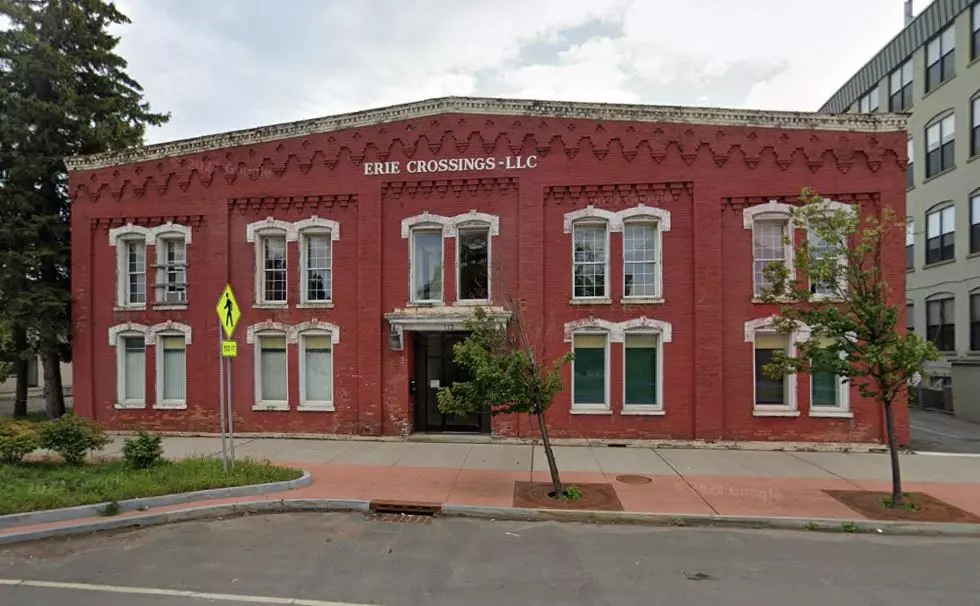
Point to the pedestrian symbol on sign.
(228, 312)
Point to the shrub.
(72, 437)
(17, 439)
(143, 451)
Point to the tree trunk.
(893, 452)
(20, 372)
(54, 396)
(549, 454)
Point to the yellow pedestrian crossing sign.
(228, 311)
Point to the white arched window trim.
(121, 238)
(316, 329)
(253, 336)
(156, 332)
(770, 211)
(305, 229)
(766, 325)
(117, 334)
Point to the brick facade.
(703, 167)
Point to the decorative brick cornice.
(151, 225)
(497, 107)
(617, 330)
(624, 193)
(443, 187)
(311, 203)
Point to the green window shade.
(589, 381)
(641, 369)
(825, 389)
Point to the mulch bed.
(534, 495)
(929, 509)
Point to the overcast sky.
(220, 65)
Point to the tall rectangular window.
(869, 102)
(940, 235)
(318, 264)
(975, 223)
(640, 369)
(819, 249)
(135, 271)
(32, 374)
(769, 392)
(909, 317)
(941, 58)
(824, 390)
(900, 88)
(640, 260)
(940, 324)
(975, 322)
(474, 264)
(975, 127)
(134, 370)
(172, 287)
(768, 246)
(174, 368)
(910, 245)
(589, 261)
(975, 37)
(317, 370)
(272, 368)
(910, 167)
(427, 265)
(274, 269)
(589, 370)
(941, 146)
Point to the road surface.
(934, 431)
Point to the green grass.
(47, 485)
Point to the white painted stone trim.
(826, 205)
(476, 219)
(150, 234)
(423, 220)
(129, 327)
(617, 330)
(451, 225)
(640, 211)
(767, 324)
(128, 230)
(270, 326)
(645, 324)
(168, 327)
(591, 212)
(270, 224)
(316, 222)
(772, 207)
(315, 325)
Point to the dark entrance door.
(435, 368)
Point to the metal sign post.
(228, 316)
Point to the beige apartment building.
(931, 69)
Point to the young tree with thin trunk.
(508, 375)
(836, 297)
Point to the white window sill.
(595, 301)
(642, 300)
(271, 406)
(169, 306)
(472, 302)
(642, 411)
(776, 301)
(831, 414)
(130, 405)
(270, 305)
(170, 406)
(594, 410)
(820, 297)
(129, 307)
(424, 304)
(316, 305)
(774, 412)
(316, 407)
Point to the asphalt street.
(934, 431)
(353, 559)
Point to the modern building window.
(900, 88)
(941, 58)
(941, 146)
(32, 373)
(427, 265)
(316, 370)
(940, 323)
(473, 262)
(590, 379)
(975, 222)
(132, 370)
(909, 317)
(770, 392)
(317, 263)
(590, 262)
(975, 26)
(940, 234)
(172, 370)
(641, 277)
(910, 245)
(910, 167)
(135, 251)
(975, 322)
(171, 270)
(270, 374)
(869, 102)
(975, 126)
(768, 246)
(641, 370)
(273, 276)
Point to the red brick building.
(358, 245)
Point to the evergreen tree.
(63, 92)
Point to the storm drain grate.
(633, 479)
(403, 518)
(405, 508)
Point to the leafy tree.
(63, 91)
(840, 294)
(508, 375)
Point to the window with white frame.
(975, 28)
(316, 371)
(768, 246)
(641, 267)
(941, 145)
(941, 58)
(910, 166)
(590, 260)
(771, 393)
(171, 284)
(869, 102)
(828, 393)
(819, 249)
(900, 88)
(270, 371)
(427, 264)
(171, 370)
(134, 266)
(641, 371)
(910, 245)
(975, 126)
(317, 264)
(941, 234)
(473, 263)
(975, 222)
(272, 256)
(131, 370)
(590, 371)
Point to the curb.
(94, 510)
(826, 525)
